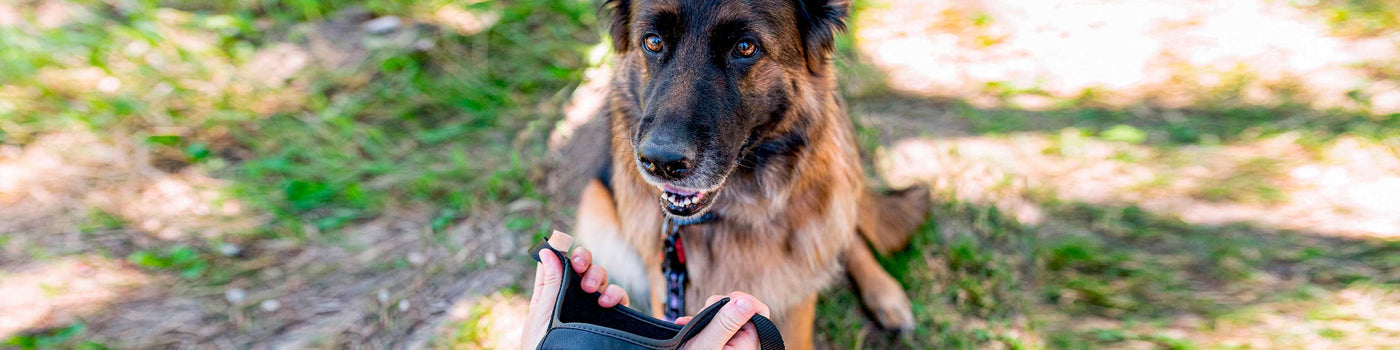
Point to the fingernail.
(578, 260)
(743, 305)
(605, 299)
(590, 281)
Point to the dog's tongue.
(680, 191)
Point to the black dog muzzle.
(579, 323)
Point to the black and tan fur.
(769, 134)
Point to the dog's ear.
(620, 20)
(819, 22)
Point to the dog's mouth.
(684, 203)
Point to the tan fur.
(888, 220)
(879, 291)
(797, 333)
(784, 232)
(780, 245)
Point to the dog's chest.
(780, 260)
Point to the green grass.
(1358, 17)
(1249, 182)
(63, 337)
(1204, 125)
(449, 128)
(980, 279)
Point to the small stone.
(491, 259)
(424, 45)
(383, 296)
(230, 249)
(235, 296)
(270, 305)
(109, 84)
(522, 204)
(417, 259)
(403, 305)
(382, 25)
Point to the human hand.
(549, 276)
(730, 329)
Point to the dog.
(728, 110)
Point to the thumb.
(731, 318)
(549, 276)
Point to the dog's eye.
(745, 48)
(652, 42)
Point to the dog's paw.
(891, 308)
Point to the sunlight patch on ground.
(48, 187)
(466, 22)
(490, 322)
(47, 14)
(1357, 317)
(1127, 50)
(1346, 190)
(53, 293)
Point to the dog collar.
(673, 263)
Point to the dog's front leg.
(597, 228)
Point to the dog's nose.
(663, 157)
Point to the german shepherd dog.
(729, 107)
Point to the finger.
(549, 275)
(731, 318)
(594, 279)
(746, 338)
(683, 320)
(612, 296)
(539, 277)
(762, 308)
(609, 297)
(582, 259)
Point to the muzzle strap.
(673, 264)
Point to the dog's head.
(707, 80)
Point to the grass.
(401, 128)
(449, 122)
(1357, 17)
(64, 337)
(979, 279)
(1174, 127)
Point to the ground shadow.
(1105, 276)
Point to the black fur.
(620, 15)
(695, 109)
(820, 21)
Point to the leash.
(673, 263)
